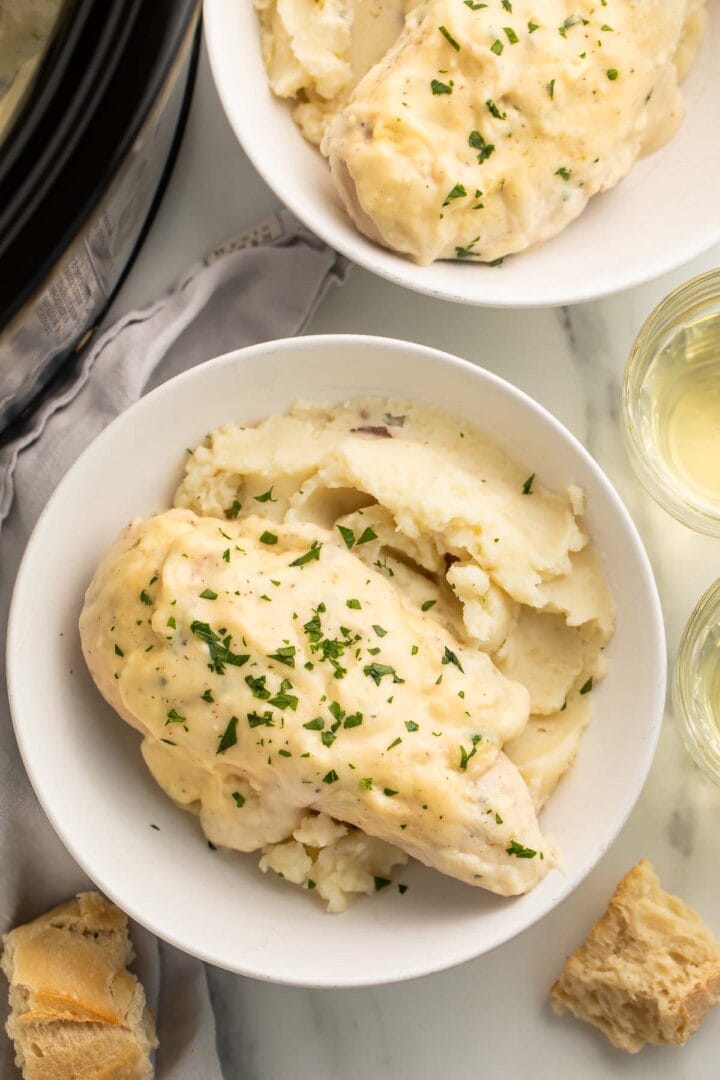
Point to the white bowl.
(662, 215)
(85, 763)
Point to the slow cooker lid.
(99, 78)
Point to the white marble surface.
(488, 1020)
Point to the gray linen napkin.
(262, 285)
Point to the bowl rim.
(655, 709)
(382, 262)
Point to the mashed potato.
(481, 129)
(363, 633)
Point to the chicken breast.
(486, 128)
(272, 672)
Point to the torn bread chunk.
(77, 1013)
(649, 971)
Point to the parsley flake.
(229, 736)
(519, 851)
(312, 553)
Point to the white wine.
(681, 409)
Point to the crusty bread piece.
(649, 971)
(77, 1013)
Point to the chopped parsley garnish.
(239, 799)
(229, 736)
(389, 792)
(612, 74)
(449, 657)
(312, 553)
(402, 889)
(367, 535)
(366, 783)
(354, 720)
(476, 140)
(313, 628)
(458, 192)
(258, 687)
(171, 623)
(519, 851)
(551, 89)
(283, 700)
(467, 251)
(258, 720)
(381, 883)
(498, 819)
(465, 757)
(511, 35)
(532, 27)
(438, 87)
(497, 47)
(378, 671)
(354, 604)
(379, 630)
(268, 538)
(347, 534)
(564, 172)
(427, 604)
(208, 594)
(219, 648)
(587, 687)
(174, 717)
(118, 651)
(316, 724)
(494, 111)
(328, 738)
(145, 598)
(449, 38)
(284, 655)
(284, 753)
(330, 777)
(233, 511)
(207, 696)
(265, 497)
(393, 744)
(527, 486)
(411, 725)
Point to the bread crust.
(649, 970)
(76, 1012)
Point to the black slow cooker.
(83, 162)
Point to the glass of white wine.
(671, 401)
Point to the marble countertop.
(490, 1018)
